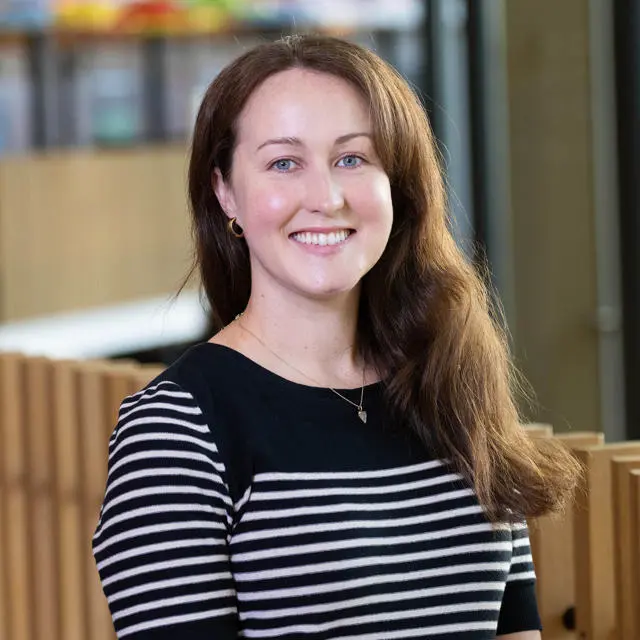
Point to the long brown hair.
(426, 318)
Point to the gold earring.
(235, 228)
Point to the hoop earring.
(235, 228)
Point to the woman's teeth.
(322, 239)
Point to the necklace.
(362, 414)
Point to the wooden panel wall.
(55, 421)
(88, 228)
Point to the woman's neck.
(311, 342)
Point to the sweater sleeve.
(161, 543)
(519, 609)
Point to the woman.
(343, 459)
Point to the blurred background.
(536, 108)
(535, 103)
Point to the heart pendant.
(362, 414)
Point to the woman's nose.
(324, 193)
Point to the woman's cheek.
(382, 191)
(276, 207)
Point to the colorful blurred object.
(84, 15)
(128, 16)
(162, 16)
(25, 14)
(145, 16)
(196, 16)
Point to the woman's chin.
(328, 290)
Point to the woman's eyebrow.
(296, 142)
(350, 136)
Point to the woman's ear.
(223, 192)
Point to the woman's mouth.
(322, 239)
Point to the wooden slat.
(4, 577)
(118, 383)
(17, 567)
(581, 439)
(634, 509)
(42, 538)
(552, 550)
(94, 449)
(536, 539)
(593, 542)
(538, 430)
(4, 613)
(72, 544)
(626, 613)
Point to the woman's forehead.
(302, 104)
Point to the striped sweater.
(239, 503)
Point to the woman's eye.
(283, 165)
(351, 161)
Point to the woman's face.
(307, 186)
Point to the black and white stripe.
(161, 541)
(396, 552)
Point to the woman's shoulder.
(198, 371)
(181, 396)
(185, 403)
(173, 401)
(196, 361)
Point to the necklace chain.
(362, 414)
